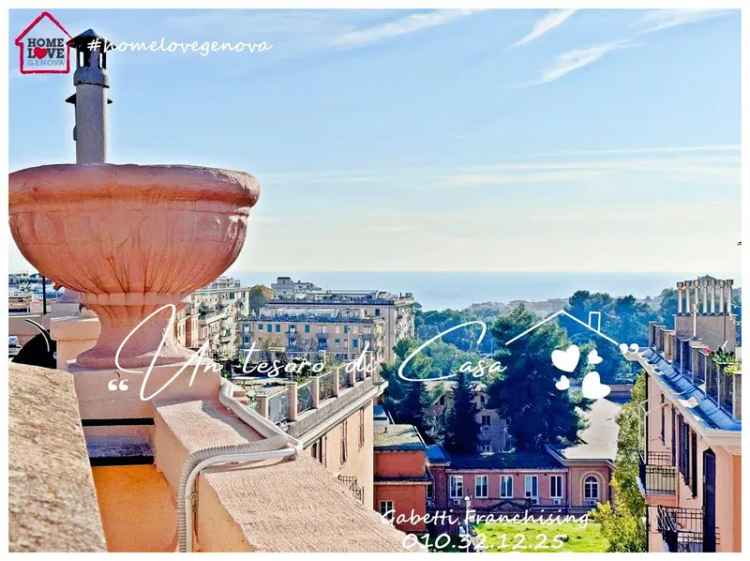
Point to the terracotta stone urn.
(130, 239)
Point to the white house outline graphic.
(553, 316)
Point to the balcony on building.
(301, 402)
(657, 474)
(684, 530)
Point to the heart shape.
(592, 388)
(593, 358)
(40, 52)
(566, 360)
(563, 383)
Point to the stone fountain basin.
(110, 230)
(129, 238)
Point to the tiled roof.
(512, 460)
(703, 409)
(599, 439)
(398, 437)
(436, 454)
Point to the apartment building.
(214, 312)
(285, 288)
(402, 479)
(329, 413)
(691, 453)
(395, 310)
(571, 479)
(338, 335)
(494, 434)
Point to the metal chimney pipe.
(91, 82)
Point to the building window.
(386, 509)
(555, 486)
(317, 450)
(661, 410)
(485, 448)
(361, 427)
(344, 451)
(480, 486)
(430, 491)
(684, 452)
(355, 342)
(726, 390)
(456, 486)
(278, 328)
(699, 374)
(485, 420)
(506, 487)
(531, 488)
(269, 327)
(260, 327)
(591, 490)
(694, 464)
(377, 311)
(712, 381)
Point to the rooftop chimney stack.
(90, 80)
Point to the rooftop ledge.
(288, 505)
(52, 501)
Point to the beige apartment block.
(337, 338)
(691, 453)
(395, 310)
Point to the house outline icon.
(568, 315)
(19, 41)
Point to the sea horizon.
(437, 290)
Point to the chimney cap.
(82, 40)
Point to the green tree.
(667, 306)
(411, 409)
(398, 388)
(624, 319)
(461, 428)
(257, 297)
(624, 523)
(538, 413)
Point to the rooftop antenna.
(90, 80)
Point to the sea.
(458, 290)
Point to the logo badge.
(43, 47)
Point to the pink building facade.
(690, 470)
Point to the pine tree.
(411, 408)
(537, 412)
(462, 429)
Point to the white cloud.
(656, 20)
(403, 26)
(652, 150)
(569, 61)
(547, 23)
(561, 172)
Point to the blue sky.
(595, 140)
